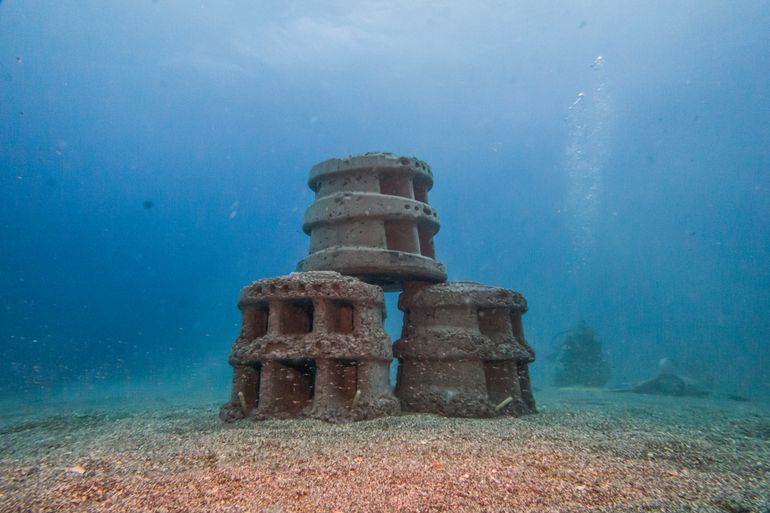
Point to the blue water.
(609, 160)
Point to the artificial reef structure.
(580, 359)
(669, 381)
(312, 343)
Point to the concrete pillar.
(329, 389)
(274, 317)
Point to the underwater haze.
(609, 160)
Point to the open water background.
(609, 160)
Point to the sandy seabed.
(587, 450)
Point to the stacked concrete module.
(371, 219)
(462, 352)
(311, 345)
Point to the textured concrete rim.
(463, 293)
(384, 162)
(459, 346)
(316, 283)
(310, 345)
(369, 205)
(387, 268)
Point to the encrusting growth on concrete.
(462, 352)
(371, 220)
(312, 343)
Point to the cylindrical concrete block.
(371, 219)
(311, 344)
(462, 351)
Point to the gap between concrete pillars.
(393, 325)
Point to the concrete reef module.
(462, 352)
(371, 219)
(313, 344)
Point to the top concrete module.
(371, 219)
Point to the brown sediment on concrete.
(462, 351)
(311, 344)
(371, 219)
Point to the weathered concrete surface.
(371, 219)
(311, 344)
(462, 351)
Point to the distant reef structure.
(313, 344)
(670, 382)
(580, 359)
